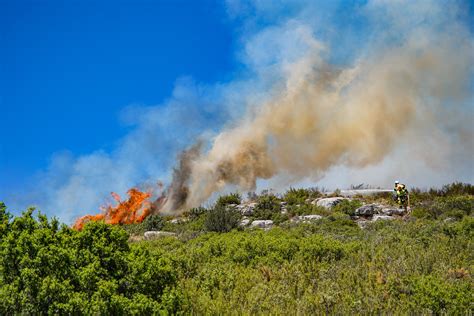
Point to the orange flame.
(133, 210)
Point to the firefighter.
(401, 195)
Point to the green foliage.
(443, 207)
(47, 269)
(196, 212)
(268, 206)
(299, 196)
(153, 222)
(329, 266)
(222, 219)
(347, 206)
(233, 198)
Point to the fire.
(133, 210)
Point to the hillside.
(334, 253)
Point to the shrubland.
(422, 264)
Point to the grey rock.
(368, 210)
(382, 218)
(262, 223)
(449, 220)
(306, 218)
(392, 211)
(244, 222)
(247, 209)
(150, 235)
(329, 202)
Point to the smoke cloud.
(323, 115)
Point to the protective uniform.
(401, 194)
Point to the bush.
(233, 198)
(268, 205)
(153, 222)
(48, 269)
(347, 207)
(222, 219)
(299, 196)
(196, 212)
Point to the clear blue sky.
(69, 67)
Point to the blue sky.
(69, 67)
(99, 96)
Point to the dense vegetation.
(212, 266)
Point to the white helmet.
(397, 182)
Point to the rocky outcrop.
(244, 222)
(246, 209)
(306, 218)
(382, 218)
(392, 211)
(266, 224)
(150, 235)
(329, 202)
(368, 210)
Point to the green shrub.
(48, 269)
(233, 198)
(347, 206)
(153, 222)
(299, 196)
(222, 219)
(268, 205)
(196, 212)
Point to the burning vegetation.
(133, 210)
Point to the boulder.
(179, 220)
(150, 235)
(382, 218)
(247, 209)
(329, 202)
(306, 218)
(244, 222)
(392, 211)
(262, 223)
(368, 210)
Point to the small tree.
(222, 219)
(233, 198)
(153, 222)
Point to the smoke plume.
(321, 115)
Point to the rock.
(179, 220)
(282, 204)
(329, 202)
(449, 220)
(368, 210)
(247, 209)
(150, 235)
(306, 218)
(392, 211)
(382, 218)
(262, 224)
(284, 211)
(244, 222)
